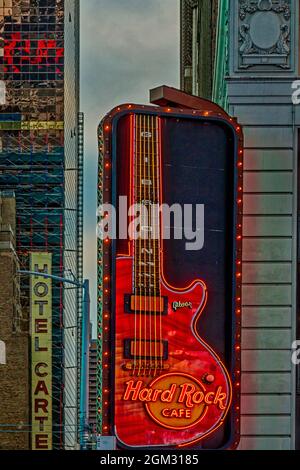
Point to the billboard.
(41, 352)
(170, 277)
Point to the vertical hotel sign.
(41, 352)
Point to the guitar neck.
(147, 196)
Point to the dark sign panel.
(170, 286)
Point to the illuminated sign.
(170, 308)
(177, 401)
(31, 125)
(42, 55)
(41, 352)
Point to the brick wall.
(14, 376)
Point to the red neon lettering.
(198, 397)
(156, 394)
(168, 395)
(220, 398)
(186, 395)
(209, 398)
(134, 390)
(145, 394)
(176, 413)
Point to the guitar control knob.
(208, 379)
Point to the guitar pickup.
(145, 349)
(145, 304)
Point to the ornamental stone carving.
(264, 34)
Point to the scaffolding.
(41, 160)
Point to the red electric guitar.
(171, 388)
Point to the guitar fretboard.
(147, 196)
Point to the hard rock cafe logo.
(176, 400)
(177, 305)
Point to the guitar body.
(176, 393)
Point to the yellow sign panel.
(41, 352)
(40, 125)
(30, 125)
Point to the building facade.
(198, 20)
(93, 386)
(256, 61)
(14, 335)
(41, 160)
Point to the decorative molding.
(264, 34)
(186, 14)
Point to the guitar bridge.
(143, 366)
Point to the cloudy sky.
(127, 47)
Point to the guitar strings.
(159, 162)
(140, 248)
(135, 123)
(145, 235)
(147, 127)
(154, 222)
(149, 231)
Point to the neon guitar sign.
(170, 387)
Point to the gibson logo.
(177, 305)
(176, 400)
